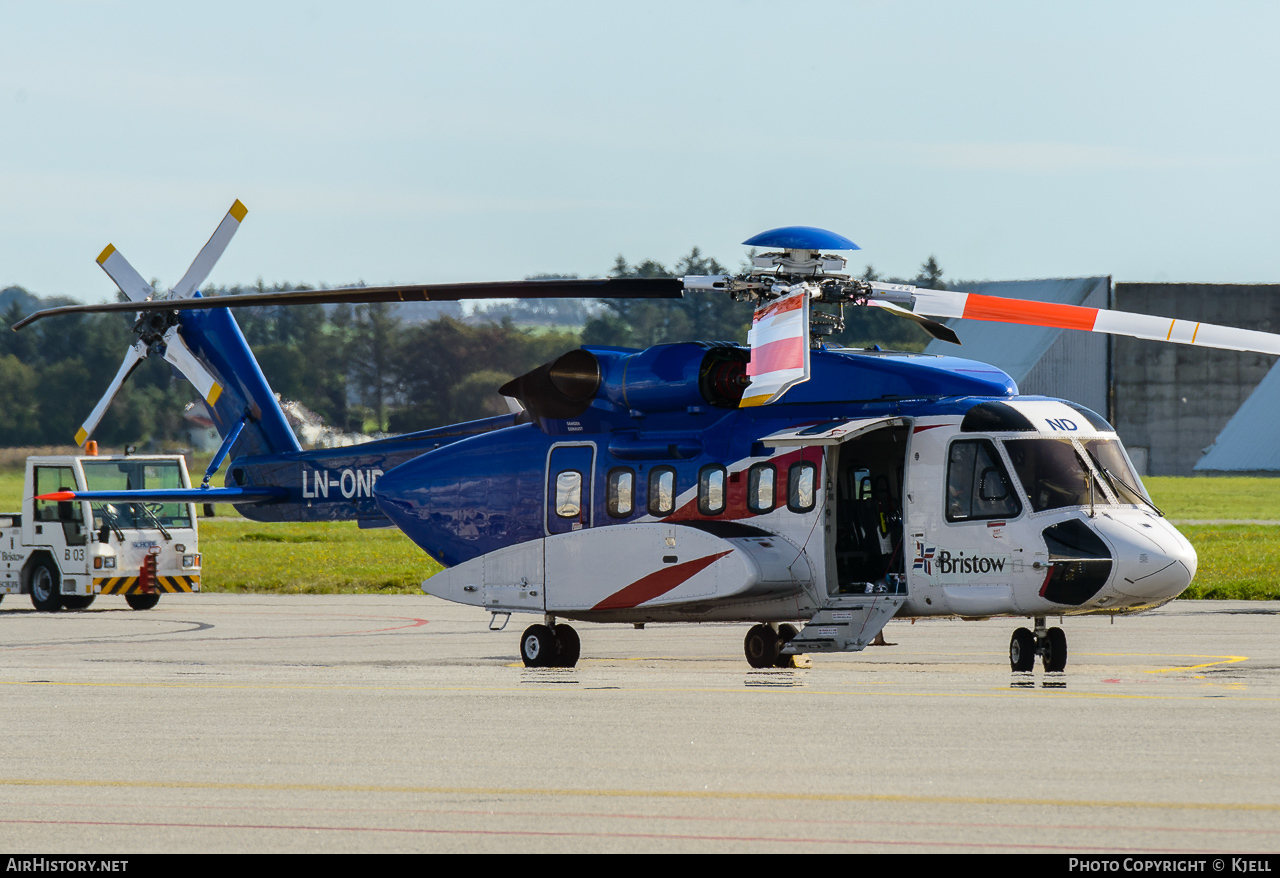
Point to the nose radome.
(1154, 561)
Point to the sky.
(423, 142)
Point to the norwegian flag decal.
(924, 558)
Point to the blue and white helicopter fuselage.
(780, 483)
(969, 501)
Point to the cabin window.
(761, 488)
(569, 494)
(70, 513)
(49, 480)
(662, 490)
(802, 481)
(978, 486)
(621, 499)
(135, 474)
(711, 500)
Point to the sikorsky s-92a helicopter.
(816, 492)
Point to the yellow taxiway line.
(640, 794)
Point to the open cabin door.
(865, 482)
(829, 432)
(866, 471)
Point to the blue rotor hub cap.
(801, 238)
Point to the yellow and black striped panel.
(129, 584)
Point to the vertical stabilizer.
(215, 337)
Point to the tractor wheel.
(45, 586)
(142, 601)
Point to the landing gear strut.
(1048, 643)
(550, 646)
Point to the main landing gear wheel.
(538, 646)
(77, 601)
(1022, 650)
(761, 646)
(542, 646)
(786, 633)
(44, 587)
(1055, 651)
(141, 601)
(570, 647)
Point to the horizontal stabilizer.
(173, 495)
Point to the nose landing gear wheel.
(1022, 650)
(1055, 651)
(761, 646)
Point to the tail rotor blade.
(133, 356)
(126, 278)
(210, 253)
(177, 353)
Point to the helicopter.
(814, 492)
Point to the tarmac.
(249, 723)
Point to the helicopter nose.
(1154, 563)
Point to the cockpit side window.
(978, 486)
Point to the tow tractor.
(66, 552)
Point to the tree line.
(363, 368)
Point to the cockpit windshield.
(1057, 473)
(134, 475)
(1053, 474)
(1109, 459)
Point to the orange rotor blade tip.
(57, 496)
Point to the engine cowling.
(663, 378)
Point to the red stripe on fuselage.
(736, 509)
(979, 307)
(657, 583)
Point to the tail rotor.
(158, 330)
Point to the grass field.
(318, 558)
(1236, 561)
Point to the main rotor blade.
(119, 270)
(210, 253)
(177, 353)
(973, 306)
(940, 331)
(606, 288)
(779, 340)
(132, 357)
